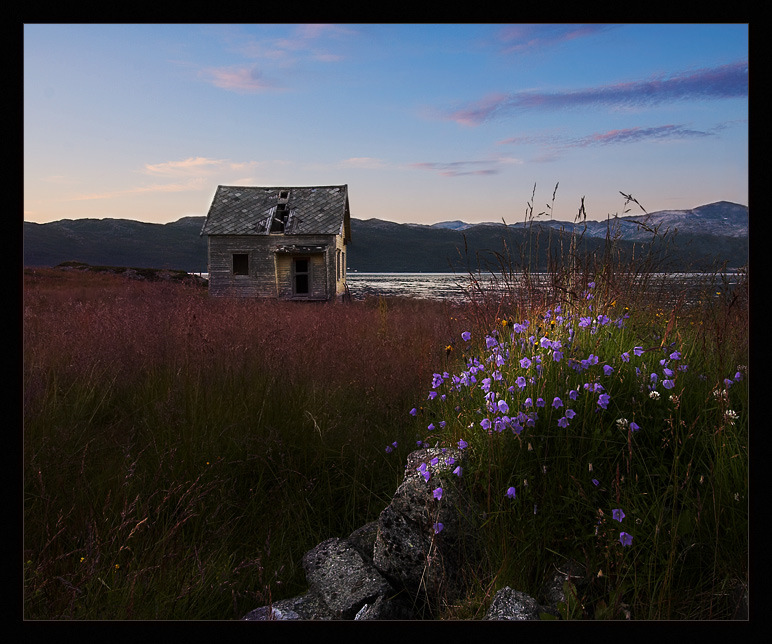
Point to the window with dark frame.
(240, 263)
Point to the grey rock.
(270, 614)
(338, 574)
(385, 608)
(363, 540)
(408, 550)
(512, 605)
(393, 567)
(305, 607)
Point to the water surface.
(457, 286)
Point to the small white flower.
(654, 395)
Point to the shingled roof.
(247, 210)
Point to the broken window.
(280, 218)
(240, 264)
(301, 276)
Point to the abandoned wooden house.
(286, 243)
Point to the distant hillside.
(697, 239)
(693, 239)
(722, 218)
(117, 242)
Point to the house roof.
(248, 210)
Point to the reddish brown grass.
(86, 325)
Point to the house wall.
(271, 273)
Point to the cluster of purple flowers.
(624, 538)
(486, 374)
(504, 384)
(512, 364)
(669, 365)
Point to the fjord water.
(456, 286)
(441, 286)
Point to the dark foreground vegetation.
(181, 453)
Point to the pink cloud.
(242, 79)
(303, 42)
(726, 81)
(480, 111)
(633, 134)
(186, 166)
(521, 38)
(363, 162)
(552, 146)
(460, 168)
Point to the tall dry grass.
(182, 452)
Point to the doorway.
(301, 276)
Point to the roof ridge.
(249, 210)
(333, 185)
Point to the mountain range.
(696, 239)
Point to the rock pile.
(402, 565)
(409, 561)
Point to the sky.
(424, 123)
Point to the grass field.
(181, 452)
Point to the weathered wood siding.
(338, 266)
(318, 283)
(272, 274)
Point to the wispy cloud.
(553, 146)
(369, 163)
(243, 79)
(188, 175)
(462, 168)
(626, 135)
(726, 81)
(523, 38)
(303, 42)
(196, 166)
(635, 134)
(263, 56)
